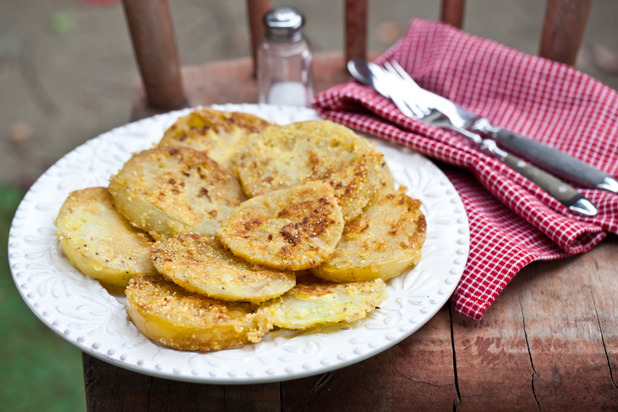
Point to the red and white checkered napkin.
(512, 221)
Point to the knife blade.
(548, 158)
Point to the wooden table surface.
(549, 342)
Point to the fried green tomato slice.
(201, 264)
(382, 242)
(99, 241)
(315, 302)
(176, 318)
(321, 150)
(171, 190)
(289, 229)
(217, 133)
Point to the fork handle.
(563, 192)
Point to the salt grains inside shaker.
(284, 60)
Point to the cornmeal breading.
(225, 270)
(201, 264)
(289, 229)
(99, 241)
(319, 303)
(217, 133)
(168, 314)
(171, 190)
(285, 156)
(381, 243)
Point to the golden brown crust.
(291, 229)
(99, 241)
(382, 242)
(307, 179)
(201, 264)
(166, 313)
(217, 133)
(171, 190)
(285, 156)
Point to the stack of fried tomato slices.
(233, 226)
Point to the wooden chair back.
(155, 49)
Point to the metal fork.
(413, 100)
(419, 110)
(412, 95)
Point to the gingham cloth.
(512, 221)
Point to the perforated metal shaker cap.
(284, 24)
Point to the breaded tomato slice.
(173, 317)
(217, 133)
(382, 242)
(320, 150)
(290, 229)
(99, 241)
(171, 190)
(320, 303)
(201, 264)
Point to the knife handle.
(564, 193)
(550, 159)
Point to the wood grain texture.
(492, 358)
(452, 12)
(563, 29)
(109, 388)
(256, 9)
(154, 45)
(355, 29)
(562, 323)
(417, 371)
(603, 270)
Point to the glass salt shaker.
(284, 60)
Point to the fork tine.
(386, 78)
(402, 72)
(388, 66)
(412, 98)
(419, 109)
(391, 69)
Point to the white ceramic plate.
(82, 312)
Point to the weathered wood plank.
(252, 398)
(563, 29)
(154, 44)
(563, 331)
(540, 345)
(603, 264)
(355, 34)
(452, 12)
(416, 374)
(492, 356)
(109, 388)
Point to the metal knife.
(546, 157)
